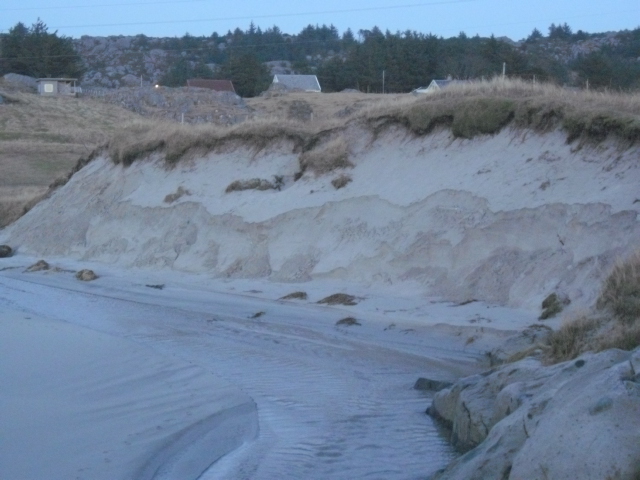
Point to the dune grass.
(615, 323)
(485, 107)
(468, 110)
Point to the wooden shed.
(58, 86)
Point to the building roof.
(57, 79)
(217, 85)
(308, 83)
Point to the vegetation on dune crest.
(468, 110)
(487, 107)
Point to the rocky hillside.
(118, 61)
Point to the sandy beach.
(129, 381)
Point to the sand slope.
(507, 219)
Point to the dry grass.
(295, 296)
(326, 158)
(179, 193)
(339, 299)
(617, 324)
(486, 107)
(252, 184)
(144, 137)
(621, 291)
(468, 110)
(42, 138)
(341, 181)
(348, 322)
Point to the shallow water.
(331, 405)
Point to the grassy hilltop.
(42, 138)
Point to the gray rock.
(86, 275)
(522, 343)
(23, 80)
(5, 250)
(578, 419)
(431, 385)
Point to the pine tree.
(36, 52)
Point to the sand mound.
(508, 218)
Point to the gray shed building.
(305, 83)
(58, 86)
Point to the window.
(48, 88)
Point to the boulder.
(5, 251)
(431, 385)
(531, 338)
(577, 419)
(21, 80)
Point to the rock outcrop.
(577, 419)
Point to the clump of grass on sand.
(172, 197)
(326, 158)
(295, 296)
(616, 323)
(251, 184)
(341, 181)
(348, 322)
(339, 299)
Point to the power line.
(68, 7)
(275, 15)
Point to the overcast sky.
(446, 18)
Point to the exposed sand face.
(507, 219)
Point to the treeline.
(368, 60)
(410, 59)
(36, 52)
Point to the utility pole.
(504, 69)
(382, 81)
